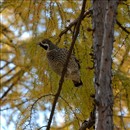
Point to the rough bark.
(104, 13)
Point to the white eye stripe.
(44, 44)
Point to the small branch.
(120, 47)
(6, 64)
(90, 122)
(123, 28)
(6, 92)
(66, 63)
(34, 103)
(15, 82)
(74, 22)
(70, 109)
(8, 72)
(9, 108)
(12, 78)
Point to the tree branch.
(6, 64)
(32, 107)
(70, 109)
(66, 63)
(8, 72)
(21, 72)
(74, 22)
(12, 78)
(90, 122)
(123, 28)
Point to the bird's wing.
(77, 61)
(72, 57)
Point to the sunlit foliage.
(28, 85)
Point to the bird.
(57, 57)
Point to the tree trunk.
(104, 14)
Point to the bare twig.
(120, 47)
(63, 126)
(66, 63)
(21, 72)
(90, 122)
(6, 64)
(123, 28)
(71, 109)
(21, 103)
(8, 72)
(74, 22)
(12, 78)
(34, 103)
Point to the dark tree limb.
(11, 79)
(18, 74)
(6, 64)
(123, 28)
(86, 13)
(89, 122)
(8, 72)
(66, 63)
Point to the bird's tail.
(77, 83)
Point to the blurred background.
(28, 85)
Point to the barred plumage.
(56, 58)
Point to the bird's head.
(47, 44)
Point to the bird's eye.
(44, 45)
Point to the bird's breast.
(57, 59)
